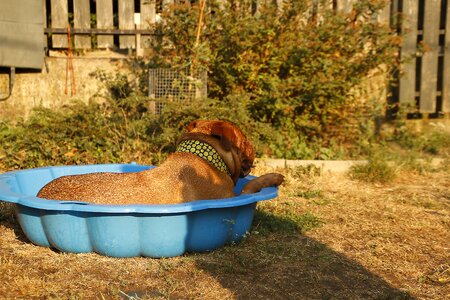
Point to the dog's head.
(230, 136)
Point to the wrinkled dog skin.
(188, 174)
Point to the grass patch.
(288, 222)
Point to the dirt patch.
(324, 237)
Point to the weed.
(131, 295)
(436, 143)
(431, 142)
(309, 194)
(168, 264)
(413, 162)
(321, 201)
(316, 196)
(308, 170)
(377, 169)
(440, 275)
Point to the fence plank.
(148, 18)
(104, 10)
(407, 91)
(82, 19)
(428, 85)
(446, 75)
(60, 19)
(126, 21)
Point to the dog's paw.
(266, 180)
(273, 179)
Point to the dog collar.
(205, 151)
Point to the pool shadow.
(277, 263)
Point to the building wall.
(47, 88)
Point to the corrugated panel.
(21, 34)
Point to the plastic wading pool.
(126, 230)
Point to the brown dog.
(210, 158)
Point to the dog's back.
(181, 178)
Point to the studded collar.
(205, 151)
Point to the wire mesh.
(175, 85)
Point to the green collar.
(205, 151)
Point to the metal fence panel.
(175, 85)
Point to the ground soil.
(325, 237)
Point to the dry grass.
(325, 237)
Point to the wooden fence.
(425, 80)
(424, 83)
(103, 19)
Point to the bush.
(79, 133)
(298, 68)
(121, 130)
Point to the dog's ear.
(232, 134)
(225, 133)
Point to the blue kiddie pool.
(126, 230)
